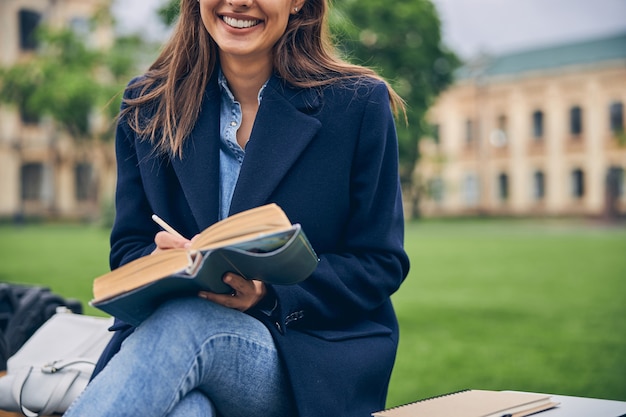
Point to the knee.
(177, 311)
(192, 322)
(189, 318)
(188, 312)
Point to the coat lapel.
(282, 130)
(198, 169)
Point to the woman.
(246, 105)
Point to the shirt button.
(233, 124)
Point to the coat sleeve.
(369, 262)
(133, 232)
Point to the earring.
(295, 9)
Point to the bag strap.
(60, 390)
(57, 394)
(58, 365)
(17, 387)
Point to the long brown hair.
(304, 57)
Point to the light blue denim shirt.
(231, 154)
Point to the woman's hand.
(165, 241)
(246, 293)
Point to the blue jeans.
(191, 358)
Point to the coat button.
(278, 326)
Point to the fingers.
(227, 300)
(245, 295)
(165, 240)
(243, 288)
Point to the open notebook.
(474, 403)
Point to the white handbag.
(54, 365)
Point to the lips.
(240, 23)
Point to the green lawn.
(532, 306)
(64, 258)
(491, 304)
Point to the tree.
(402, 41)
(169, 11)
(76, 88)
(69, 81)
(58, 82)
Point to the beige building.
(43, 171)
(539, 132)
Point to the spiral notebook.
(474, 403)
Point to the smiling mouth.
(239, 23)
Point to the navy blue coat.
(328, 157)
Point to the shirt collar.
(223, 83)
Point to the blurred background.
(512, 163)
(514, 108)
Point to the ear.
(296, 6)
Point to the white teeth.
(240, 24)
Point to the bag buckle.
(58, 365)
(51, 368)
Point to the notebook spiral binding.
(428, 399)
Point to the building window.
(436, 189)
(539, 185)
(538, 125)
(578, 183)
(471, 191)
(29, 20)
(469, 132)
(499, 137)
(32, 181)
(576, 121)
(615, 182)
(503, 187)
(503, 123)
(616, 114)
(28, 117)
(80, 26)
(84, 181)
